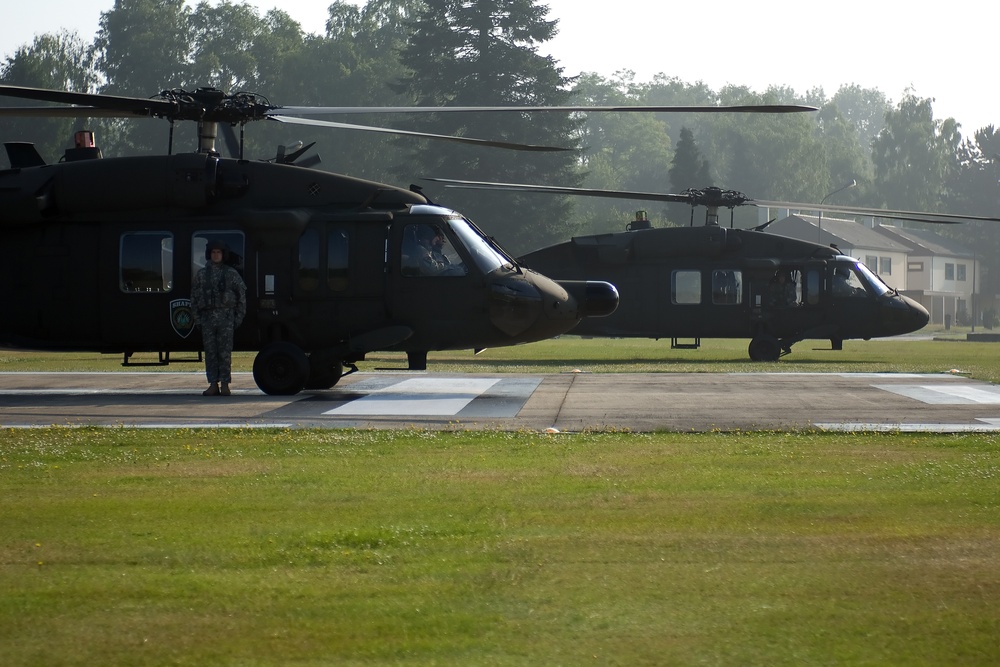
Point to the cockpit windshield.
(486, 254)
(873, 280)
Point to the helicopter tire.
(325, 371)
(764, 348)
(281, 369)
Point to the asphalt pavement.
(571, 402)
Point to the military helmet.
(217, 245)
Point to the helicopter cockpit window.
(427, 252)
(235, 245)
(146, 261)
(727, 287)
(846, 282)
(485, 253)
(686, 287)
(873, 280)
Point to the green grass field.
(950, 351)
(343, 547)
(126, 547)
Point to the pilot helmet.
(427, 233)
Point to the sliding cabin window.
(309, 260)
(146, 262)
(685, 287)
(235, 246)
(337, 251)
(727, 287)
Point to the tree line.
(486, 53)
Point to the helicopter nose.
(532, 307)
(594, 298)
(903, 315)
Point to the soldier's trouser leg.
(217, 336)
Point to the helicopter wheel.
(325, 370)
(764, 348)
(281, 369)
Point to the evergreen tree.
(688, 168)
(485, 53)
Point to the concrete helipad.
(567, 402)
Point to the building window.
(886, 264)
(686, 287)
(961, 272)
(914, 266)
(949, 271)
(871, 261)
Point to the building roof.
(846, 234)
(926, 242)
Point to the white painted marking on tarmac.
(988, 426)
(963, 394)
(423, 397)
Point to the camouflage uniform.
(219, 303)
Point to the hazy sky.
(946, 51)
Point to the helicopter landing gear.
(416, 360)
(281, 369)
(325, 370)
(764, 348)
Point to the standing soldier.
(219, 303)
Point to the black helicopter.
(715, 282)
(98, 254)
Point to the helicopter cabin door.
(144, 299)
(434, 287)
(269, 293)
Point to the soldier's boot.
(225, 389)
(213, 390)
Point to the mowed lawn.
(245, 547)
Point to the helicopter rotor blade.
(767, 108)
(137, 106)
(551, 189)
(893, 214)
(424, 135)
(71, 112)
(716, 197)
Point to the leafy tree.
(845, 158)
(625, 151)
(974, 189)
(59, 61)
(485, 53)
(355, 64)
(864, 109)
(224, 41)
(143, 47)
(913, 156)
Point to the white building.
(942, 274)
